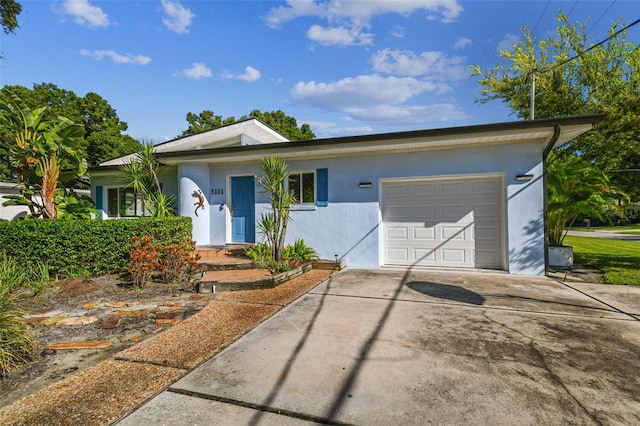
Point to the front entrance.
(243, 210)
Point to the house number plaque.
(217, 191)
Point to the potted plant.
(574, 188)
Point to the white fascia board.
(538, 135)
(231, 135)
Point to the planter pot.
(561, 256)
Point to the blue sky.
(345, 67)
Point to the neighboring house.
(19, 212)
(10, 212)
(465, 197)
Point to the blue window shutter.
(322, 191)
(98, 199)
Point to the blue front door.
(243, 210)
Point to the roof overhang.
(477, 136)
(247, 132)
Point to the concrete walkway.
(382, 347)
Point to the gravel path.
(106, 392)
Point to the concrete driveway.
(399, 347)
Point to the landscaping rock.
(85, 344)
(75, 321)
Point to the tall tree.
(43, 154)
(278, 120)
(9, 11)
(206, 120)
(286, 125)
(574, 75)
(104, 136)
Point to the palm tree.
(274, 224)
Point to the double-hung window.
(303, 186)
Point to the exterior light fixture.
(364, 185)
(524, 178)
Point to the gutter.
(547, 150)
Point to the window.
(125, 202)
(303, 185)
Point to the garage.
(444, 222)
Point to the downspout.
(547, 150)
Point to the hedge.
(96, 246)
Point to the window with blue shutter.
(322, 190)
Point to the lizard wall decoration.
(200, 203)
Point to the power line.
(540, 17)
(603, 13)
(577, 55)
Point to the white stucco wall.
(192, 178)
(350, 225)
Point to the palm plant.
(273, 224)
(574, 188)
(141, 174)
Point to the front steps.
(226, 268)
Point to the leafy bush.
(177, 261)
(17, 345)
(143, 259)
(299, 252)
(172, 261)
(95, 246)
(293, 256)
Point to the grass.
(618, 260)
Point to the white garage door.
(455, 222)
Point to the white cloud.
(462, 42)
(392, 114)
(431, 64)
(361, 90)
(197, 71)
(339, 36)
(250, 75)
(347, 19)
(398, 32)
(177, 17)
(85, 13)
(328, 129)
(117, 58)
(508, 41)
(377, 98)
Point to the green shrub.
(12, 274)
(95, 246)
(17, 345)
(299, 252)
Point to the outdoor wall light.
(524, 178)
(364, 185)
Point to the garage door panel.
(448, 233)
(424, 257)
(423, 190)
(452, 256)
(455, 222)
(455, 189)
(397, 213)
(421, 233)
(398, 255)
(397, 233)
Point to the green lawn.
(619, 260)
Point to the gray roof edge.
(446, 131)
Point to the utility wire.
(637, 21)
(540, 17)
(603, 13)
